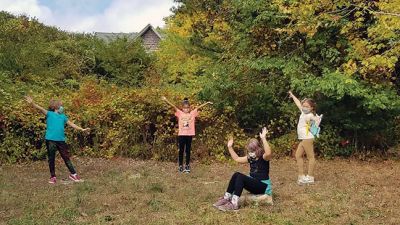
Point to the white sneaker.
(301, 180)
(309, 179)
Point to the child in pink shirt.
(186, 123)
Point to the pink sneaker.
(75, 178)
(228, 207)
(221, 201)
(53, 180)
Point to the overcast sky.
(93, 15)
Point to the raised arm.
(169, 103)
(267, 149)
(202, 105)
(30, 101)
(76, 127)
(295, 99)
(234, 156)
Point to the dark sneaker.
(53, 180)
(187, 169)
(180, 169)
(221, 201)
(75, 178)
(228, 207)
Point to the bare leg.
(309, 149)
(299, 159)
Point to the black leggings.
(62, 147)
(185, 142)
(240, 181)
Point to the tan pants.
(307, 146)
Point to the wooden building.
(151, 38)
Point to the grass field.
(126, 191)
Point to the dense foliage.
(248, 54)
(242, 55)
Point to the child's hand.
(163, 98)
(290, 94)
(319, 118)
(263, 133)
(86, 130)
(210, 103)
(230, 143)
(29, 99)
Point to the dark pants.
(62, 147)
(240, 181)
(185, 142)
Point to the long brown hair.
(255, 146)
(312, 103)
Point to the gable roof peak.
(146, 28)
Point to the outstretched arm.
(202, 105)
(76, 127)
(234, 156)
(267, 149)
(30, 101)
(295, 99)
(169, 103)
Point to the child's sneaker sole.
(220, 208)
(301, 183)
(52, 180)
(310, 180)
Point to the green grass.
(126, 191)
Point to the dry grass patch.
(126, 191)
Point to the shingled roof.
(150, 36)
(113, 36)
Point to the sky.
(93, 15)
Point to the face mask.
(305, 110)
(252, 157)
(61, 110)
(252, 154)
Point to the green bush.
(243, 55)
(328, 144)
(284, 145)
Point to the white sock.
(227, 195)
(235, 200)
